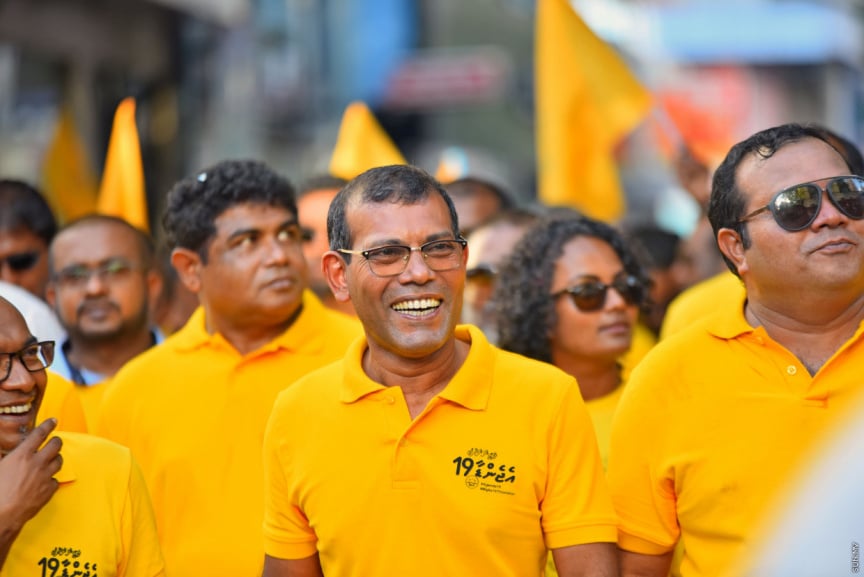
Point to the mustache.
(95, 303)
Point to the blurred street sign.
(444, 78)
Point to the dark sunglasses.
(795, 208)
(590, 296)
(21, 261)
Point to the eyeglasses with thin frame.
(21, 261)
(77, 276)
(392, 259)
(590, 296)
(795, 208)
(35, 357)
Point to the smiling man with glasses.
(426, 451)
(72, 504)
(716, 420)
(27, 227)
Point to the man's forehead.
(19, 239)
(252, 215)
(13, 328)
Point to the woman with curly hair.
(570, 294)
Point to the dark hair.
(194, 203)
(524, 308)
(468, 185)
(22, 206)
(397, 184)
(850, 152)
(320, 182)
(657, 248)
(146, 248)
(727, 203)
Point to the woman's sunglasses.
(795, 208)
(590, 296)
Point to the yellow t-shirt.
(602, 411)
(701, 301)
(62, 402)
(709, 426)
(643, 341)
(193, 410)
(98, 523)
(499, 466)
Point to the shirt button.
(390, 400)
(791, 369)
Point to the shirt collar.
(305, 332)
(470, 387)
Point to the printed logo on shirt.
(483, 470)
(67, 562)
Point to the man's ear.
(188, 265)
(732, 247)
(155, 284)
(335, 271)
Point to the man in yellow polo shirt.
(715, 420)
(193, 409)
(426, 450)
(82, 510)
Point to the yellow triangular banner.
(122, 192)
(67, 179)
(361, 144)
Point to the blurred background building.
(270, 79)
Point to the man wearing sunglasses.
(718, 419)
(426, 451)
(72, 504)
(27, 227)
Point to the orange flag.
(122, 192)
(67, 179)
(586, 102)
(362, 144)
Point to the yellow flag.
(67, 179)
(586, 101)
(362, 144)
(122, 191)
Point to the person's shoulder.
(82, 450)
(317, 384)
(700, 301)
(525, 377)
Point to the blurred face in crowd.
(490, 245)
(102, 281)
(602, 335)
(312, 210)
(21, 392)
(24, 260)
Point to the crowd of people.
(396, 376)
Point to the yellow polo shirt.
(193, 410)
(62, 402)
(709, 427)
(98, 523)
(499, 466)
